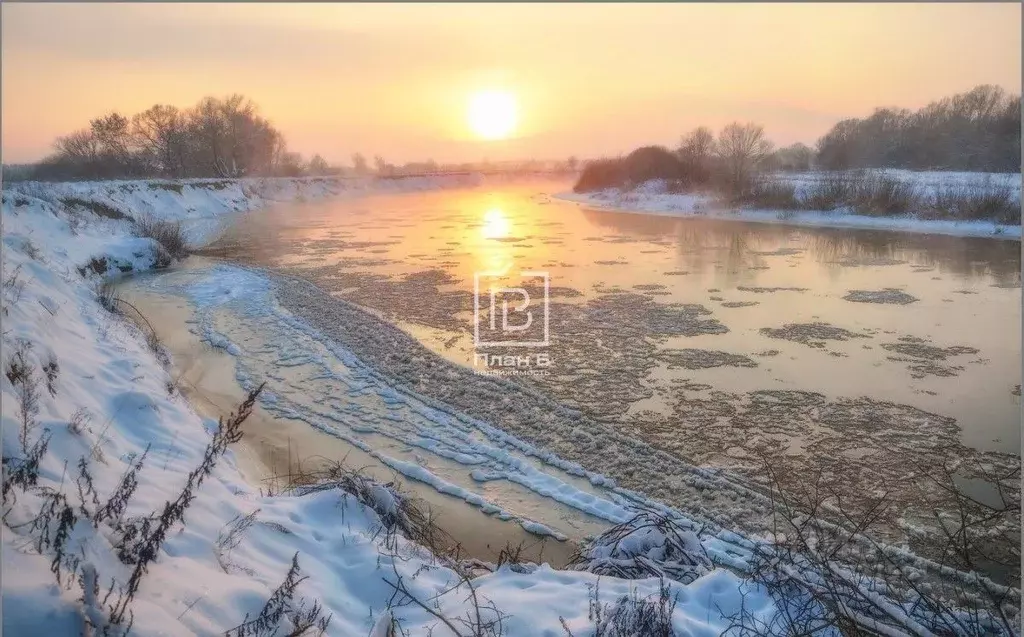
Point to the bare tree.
(215, 138)
(291, 165)
(976, 130)
(359, 164)
(696, 150)
(80, 146)
(742, 148)
(160, 132)
(241, 128)
(318, 166)
(796, 157)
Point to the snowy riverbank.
(651, 198)
(87, 383)
(113, 482)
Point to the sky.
(587, 79)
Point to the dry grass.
(980, 199)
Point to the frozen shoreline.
(684, 206)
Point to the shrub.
(600, 174)
(23, 472)
(771, 193)
(12, 288)
(651, 162)
(631, 615)
(282, 608)
(98, 208)
(832, 190)
(883, 196)
(399, 513)
(22, 376)
(169, 235)
(169, 186)
(106, 294)
(51, 369)
(976, 200)
(651, 544)
(643, 164)
(140, 539)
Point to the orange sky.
(590, 79)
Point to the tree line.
(728, 162)
(974, 131)
(979, 130)
(218, 137)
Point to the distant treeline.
(974, 131)
(219, 138)
(215, 138)
(979, 130)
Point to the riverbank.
(651, 198)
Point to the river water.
(673, 346)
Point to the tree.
(359, 165)
(113, 136)
(572, 163)
(696, 150)
(742, 149)
(650, 162)
(80, 146)
(381, 165)
(975, 130)
(796, 157)
(318, 166)
(207, 138)
(291, 165)
(215, 138)
(160, 133)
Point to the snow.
(107, 370)
(651, 198)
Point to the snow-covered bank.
(88, 383)
(651, 198)
(99, 213)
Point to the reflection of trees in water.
(649, 225)
(968, 257)
(733, 244)
(832, 246)
(974, 258)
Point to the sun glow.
(492, 114)
(495, 224)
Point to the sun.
(495, 225)
(492, 114)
